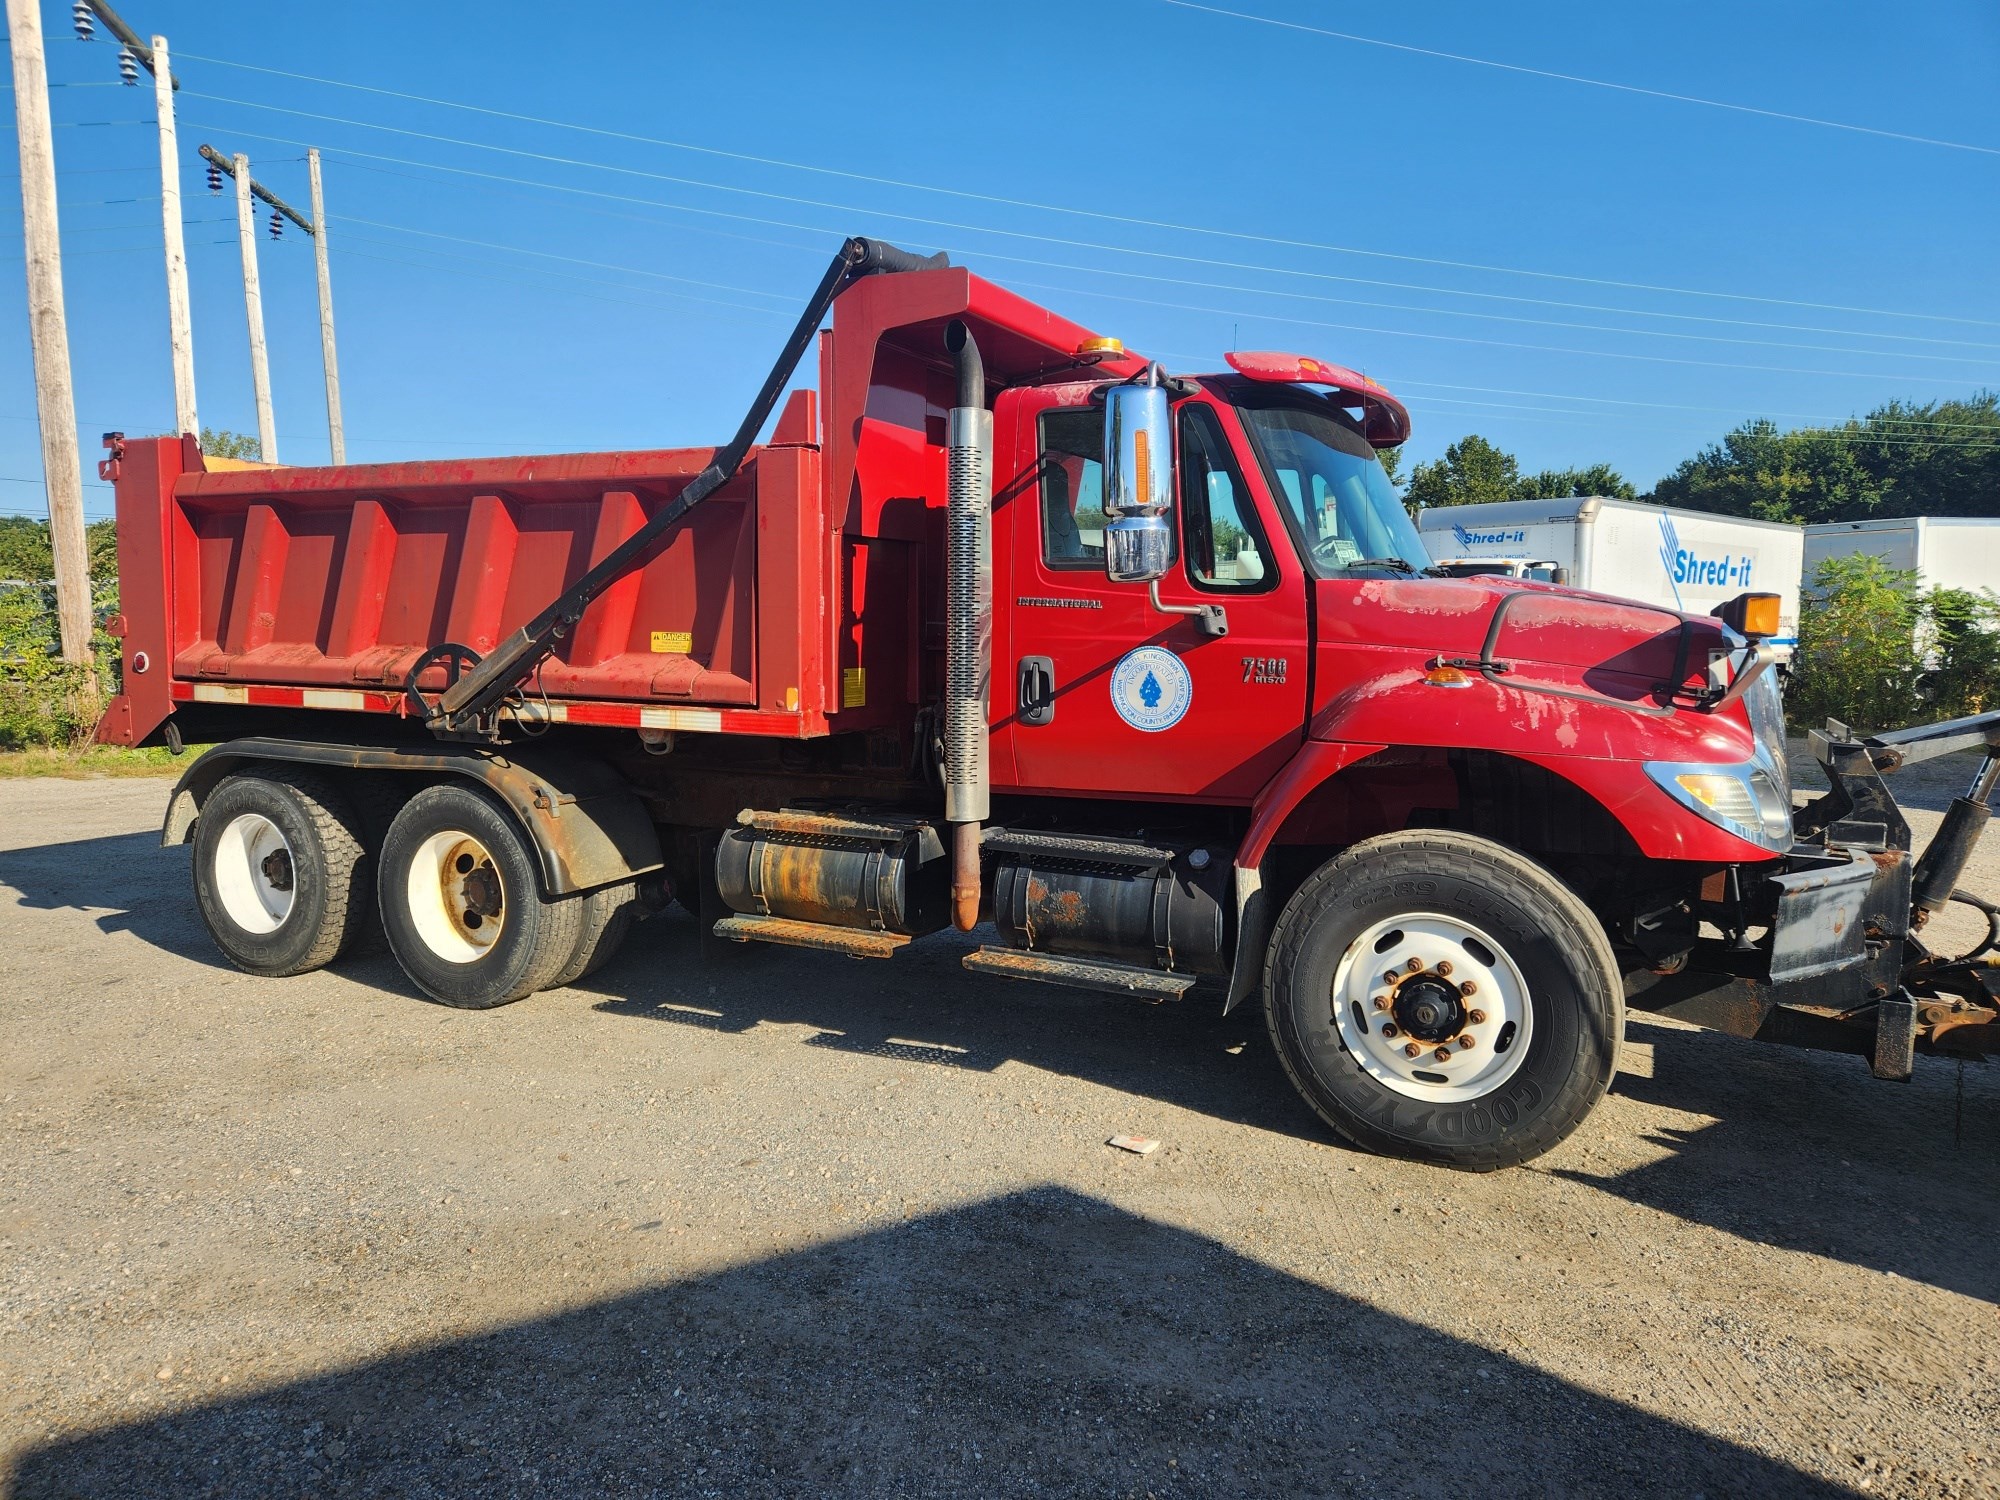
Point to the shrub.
(44, 700)
(1877, 652)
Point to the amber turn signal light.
(1753, 616)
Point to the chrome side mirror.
(1138, 482)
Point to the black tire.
(608, 914)
(308, 858)
(1551, 955)
(461, 902)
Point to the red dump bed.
(791, 602)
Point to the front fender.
(1599, 747)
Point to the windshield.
(1342, 505)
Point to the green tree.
(1471, 472)
(1560, 484)
(220, 442)
(26, 556)
(1936, 458)
(1392, 463)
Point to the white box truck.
(1949, 552)
(1688, 560)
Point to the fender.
(586, 824)
(1313, 763)
(1599, 745)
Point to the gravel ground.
(791, 1225)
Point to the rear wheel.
(1438, 996)
(608, 914)
(461, 902)
(280, 873)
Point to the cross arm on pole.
(210, 154)
(115, 24)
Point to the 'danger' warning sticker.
(1151, 688)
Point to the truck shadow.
(1807, 1152)
(126, 879)
(923, 1006)
(1039, 1342)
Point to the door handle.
(1036, 704)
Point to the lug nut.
(1466, 1043)
(1468, 988)
(1381, 1002)
(1413, 1050)
(1476, 1017)
(1443, 1054)
(1415, 966)
(1391, 977)
(1444, 967)
(1388, 1028)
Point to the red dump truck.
(1004, 624)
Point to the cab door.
(1099, 693)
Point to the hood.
(1563, 637)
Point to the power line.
(432, 234)
(1596, 83)
(1098, 214)
(1455, 338)
(370, 165)
(684, 208)
(392, 260)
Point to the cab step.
(855, 942)
(1081, 973)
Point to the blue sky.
(1184, 179)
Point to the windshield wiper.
(1395, 564)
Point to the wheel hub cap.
(1432, 1007)
(1427, 1007)
(457, 900)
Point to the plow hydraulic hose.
(482, 690)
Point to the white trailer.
(1688, 560)
(1947, 552)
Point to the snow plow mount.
(1839, 963)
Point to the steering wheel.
(455, 659)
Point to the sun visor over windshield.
(1385, 420)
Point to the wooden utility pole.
(335, 433)
(253, 304)
(48, 330)
(180, 322)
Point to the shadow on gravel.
(924, 1007)
(1042, 1342)
(146, 887)
(1896, 1177)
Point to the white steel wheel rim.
(1483, 1034)
(255, 875)
(457, 899)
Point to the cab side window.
(1072, 487)
(1225, 543)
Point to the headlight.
(1747, 800)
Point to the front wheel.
(1437, 996)
(462, 905)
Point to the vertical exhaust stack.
(969, 620)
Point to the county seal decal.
(1151, 688)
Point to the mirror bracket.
(1212, 619)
